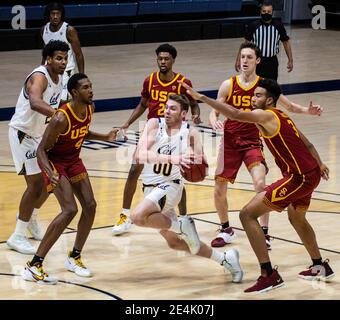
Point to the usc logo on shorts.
(283, 192)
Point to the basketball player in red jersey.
(301, 168)
(66, 176)
(241, 142)
(156, 88)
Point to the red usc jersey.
(68, 144)
(240, 98)
(290, 152)
(157, 92)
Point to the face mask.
(266, 17)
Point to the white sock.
(21, 227)
(34, 214)
(175, 226)
(126, 212)
(217, 256)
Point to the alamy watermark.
(319, 20)
(19, 20)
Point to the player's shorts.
(293, 189)
(24, 152)
(74, 171)
(232, 152)
(165, 195)
(66, 76)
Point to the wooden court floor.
(138, 265)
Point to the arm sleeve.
(145, 91)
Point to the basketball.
(195, 172)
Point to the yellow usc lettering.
(80, 132)
(244, 101)
(163, 96)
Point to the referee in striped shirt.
(267, 34)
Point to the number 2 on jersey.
(160, 111)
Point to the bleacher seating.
(133, 21)
(78, 11)
(126, 9)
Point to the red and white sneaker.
(321, 272)
(268, 242)
(225, 236)
(264, 284)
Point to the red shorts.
(235, 150)
(74, 171)
(293, 189)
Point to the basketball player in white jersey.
(58, 29)
(165, 145)
(38, 99)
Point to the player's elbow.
(34, 104)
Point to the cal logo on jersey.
(79, 132)
(54, 99)
(166, 149)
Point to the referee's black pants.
(268, 68)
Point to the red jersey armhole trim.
(230, 89)
(150, 82)
(278, 127)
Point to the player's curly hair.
(166, 47)
(53, 46)
(54, 6)
(73, 81)
(272, 87)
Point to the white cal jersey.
(164, 144)
(29, 121)
(48, 35)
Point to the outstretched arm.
(256, 116)
(111, 136)
(137, 112)
(312, 109)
